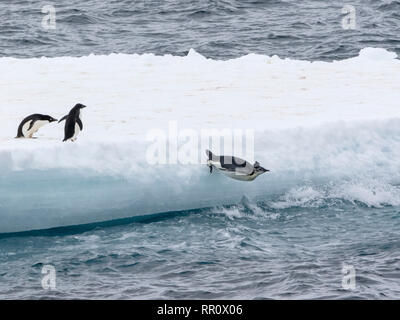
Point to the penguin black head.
(79, 106)
(258, 169)
(77, 109)
(48, 118)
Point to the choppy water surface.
(310, 30)
(293, 246)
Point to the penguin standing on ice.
(31, 124)
(73, 124)
(234, 167)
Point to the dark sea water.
(218, 29)
(291, 245)
(236, 252)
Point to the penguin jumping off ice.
(31, 124)
(73, 123)
(234, 167)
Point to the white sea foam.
(314, 121)
(369, 192)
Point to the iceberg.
(312, 121)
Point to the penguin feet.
(210, 166)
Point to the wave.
(369, 193)
(391, 6)
(322, 136)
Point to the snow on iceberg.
(315, 121)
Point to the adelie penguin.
(31, 124)
(234, 167)
(73, 123)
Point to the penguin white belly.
(76, 132)
(28, 133)
(239, 176)
(232, 174)
(25, 128)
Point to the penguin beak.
(53, 120)
(265, 170)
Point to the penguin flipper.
(63, 118)
(211, 169)
(209, 154)
(31, 124)
(80, 124)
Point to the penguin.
(31, 124)
(234, 167)
(73, 124)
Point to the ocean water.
(331, 203)
(291, 247)
(218, 29)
